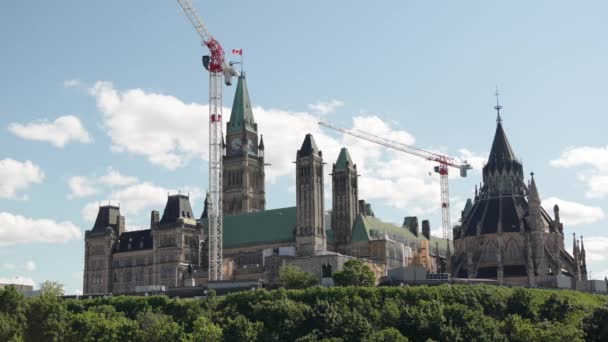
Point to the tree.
(52, 288)
(387, 335)
(241, 329)
(293, 277)
(12, 314)
(103, 324)
(355, 273)
(520, 303)
(555, 308)
(47, 319)
(595, 325)
(207, 331)
(156, 327)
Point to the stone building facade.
(506, 234)
(173, 252)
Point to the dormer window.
(141, 243)
(130, 244)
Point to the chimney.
(154, 219)
(411, 223)
(426, 229)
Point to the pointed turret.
(345, 197)
(205, 213)
(501, 148)
(503, 174)
(574, 247)
(309, 147)
(310, 221)
(583, 255)
(533, 191)
(241, 116)
(344, 160)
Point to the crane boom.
(442, 169)
(216, 66)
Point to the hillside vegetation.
(442, 313)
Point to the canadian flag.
(237, 52)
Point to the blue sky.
(114, 94)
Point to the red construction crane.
(441, 169)
(217, 67)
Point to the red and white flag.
(237, 52)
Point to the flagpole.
(241, 61)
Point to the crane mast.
(216, 66)
(441, 169)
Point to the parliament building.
(257, 241)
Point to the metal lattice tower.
(441, 169)
(217, 67)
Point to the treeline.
(442, 313)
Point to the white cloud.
(595, 248)
(59, 132)
(16, 175)
(573, 213)
(9, 266)
(169, 132)
(16, 229)
(81, 187)
(161, 128)
(18, 280)
(75, 82)
(593, 164)
(30, 266)
(326, 107)
(115, 179)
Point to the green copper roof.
(368, 228)
(343, 159)
(241, 115)
(268, 226)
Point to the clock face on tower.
(235, 145)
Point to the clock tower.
(243, 166)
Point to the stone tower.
(345, 197)
(243, 167)
(310, 230)
(537, 229)
(99, 243)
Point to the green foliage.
(157, 327)
(12, 314)
(420, 313)
(518, 329)
(387, 335)
(555, 308)
(241, 329)
(596, 325)
(293, 277)
(102, 324)
(283, 319)
(521, 303)
(355, 273)
(53, 288)
(206, 331)
(47, 319)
